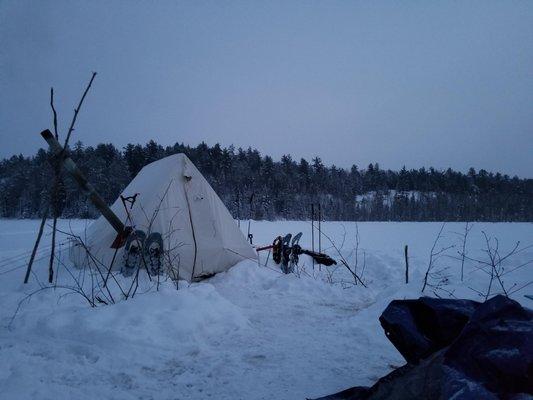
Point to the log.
(68, 164)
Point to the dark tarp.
(487, 356)
(418, 328)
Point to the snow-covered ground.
(250, 333)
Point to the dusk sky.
(443, 84)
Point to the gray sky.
(447, 84)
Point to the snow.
(249, 333)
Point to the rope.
(6, 261)
(18, 258)
(25, 264)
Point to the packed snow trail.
(249, 333)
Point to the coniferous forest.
(256, 186)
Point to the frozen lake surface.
(249, 333)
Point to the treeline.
(252, 185)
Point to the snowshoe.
(133, 252)
(285, 252)
(153, 251)
(296, 239)
(276, 249)
(295, 251)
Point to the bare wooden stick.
(77, 110)
(54, 198)
(320, 234)
(45, 214)
(54, 112)
(36, 245)
(313, 231)
(52, 251)
(406, 264)
(57, 169)
(319, 228)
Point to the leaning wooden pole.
(36, 245)
(68, 164)
(54, 199)
(52, 251)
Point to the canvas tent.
(200, 236)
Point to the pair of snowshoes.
(142, 251)
(285, 252)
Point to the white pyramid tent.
(200, 237)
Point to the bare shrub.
(436, 277)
